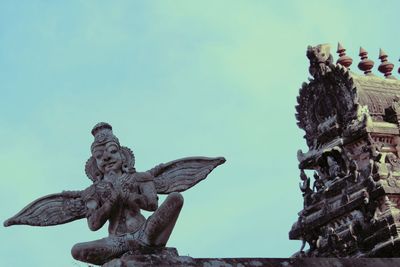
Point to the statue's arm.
(148, 199)
(98, 215)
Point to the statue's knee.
(176, 198)
(87, 253)
(77, 252)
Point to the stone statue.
(318, 183)
(117, 195)
(320, 60)
(305, 188)
(334, 169)
(353, 170)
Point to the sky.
(174, 79)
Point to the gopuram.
(117, 195)
(351, 123)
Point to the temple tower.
(351, 123)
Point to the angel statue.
(117, 195)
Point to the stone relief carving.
(320, 59)
(305, 188)
(352, 130)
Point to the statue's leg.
(100, 251)
(159, 225)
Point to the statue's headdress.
(103, 133)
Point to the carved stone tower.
(351, 125)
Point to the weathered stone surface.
(351, 125)
(259, 262)
(117, 195)
(151, 257)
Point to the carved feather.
(51, 210)
(182, 174)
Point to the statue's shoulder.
(143, 176)
(92, 192)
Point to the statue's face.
(108, 157)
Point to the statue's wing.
(181, 174)
(51, 210)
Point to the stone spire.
(365, 64)
(385, 67)
(343, 59)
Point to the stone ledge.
(244, 262)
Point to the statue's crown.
(101, 126)
(103, 133)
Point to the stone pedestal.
(152, 257)
(179, 261)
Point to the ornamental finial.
(365, 64)
(343, 59)
(385, 67)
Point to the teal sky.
(175, 79)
